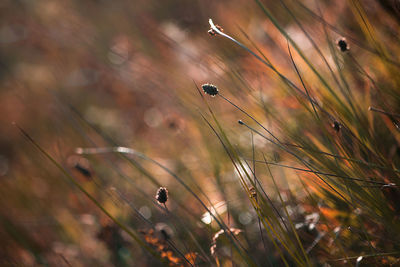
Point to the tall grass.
(285, 151)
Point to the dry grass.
(102, 104)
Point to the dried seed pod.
(253, 192)
(162, 195)
(212, 32)
(210, 89)
(342, 44)
(336, 126)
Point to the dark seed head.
(162, 195)
(343, 45)
(210, 89)
(336, 126)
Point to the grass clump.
(290, 157)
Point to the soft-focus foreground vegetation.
(113, 155)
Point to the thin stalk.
(255, 204)
(384, 112)
(288, 216)
(125, 150)
(301, 160)
(83, 190)
(256, 196)
(302, 82)
(321, 173)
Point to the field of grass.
(200, 133)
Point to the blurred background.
(101, 73)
